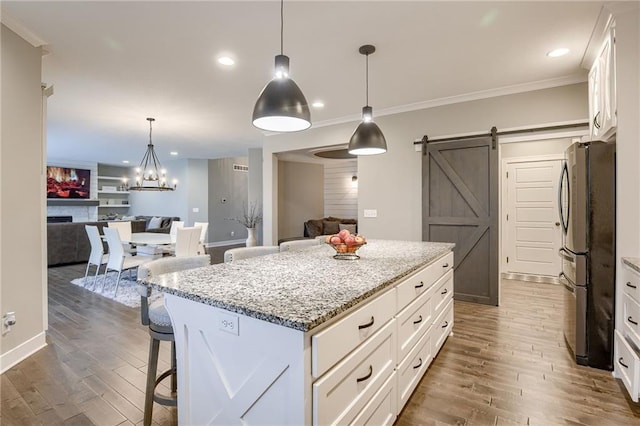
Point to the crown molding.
(17, 27)
(466, 97)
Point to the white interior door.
(533, 230)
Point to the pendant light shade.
(367, 138)
(281, 106)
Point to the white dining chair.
(173, 231)
(124, 230)
(297, 245)
(204, 228)
(97, 257)
(118, 261)
(188, 242)
(247, 252)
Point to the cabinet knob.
(419, 285)
(419, 364)
(418, 321)
(631, 285)
(630, 319)
(362, 379)
(446, 265)
(367, 325)
(620, 361)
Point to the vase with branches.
(251, 217)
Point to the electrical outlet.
(233, 233)
(228, 323)
(370, 213)
(8, 321)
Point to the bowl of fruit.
(346, 244)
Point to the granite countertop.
(300, 289)
(632, 262)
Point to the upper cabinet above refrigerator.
(602, 90)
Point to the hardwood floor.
(505, 365)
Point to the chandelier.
(150, 176)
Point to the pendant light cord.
(367, 80)
(281, 26)
(150, 128)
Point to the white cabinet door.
(602, 91)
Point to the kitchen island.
(301, 338)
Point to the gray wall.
(391, 182)
(255, 182)
(198, 193)
(301, 190)
(22, 198)
(228, 191)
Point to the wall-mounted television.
(67, 182)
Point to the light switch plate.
(370, 213)
(196, 210)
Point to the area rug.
(127, 290)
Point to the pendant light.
(367, 138)
(281, 106)
(150, 176)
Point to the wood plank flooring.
(505, 365)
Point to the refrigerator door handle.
(564, 177)
(568, 256)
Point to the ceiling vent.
(240, 168)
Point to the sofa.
(68, 242)
(165, 223)
(328, 225)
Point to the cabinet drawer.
(344, 391)
(420, 282)
(382, 410)
(412, 323)
(442, 328)
(631, 282)
(412, 368)
(628, 365)
(441, 294)
(333, 343)
(631, 312)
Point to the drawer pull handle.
(419, 364)
(622, 363)
(631, 285)
(367, 325)
(445, 291)
(446, 265)
(362, 379)
(419, 285)
(630, 319)
(446, 324)
(418, 321)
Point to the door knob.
(557, 223)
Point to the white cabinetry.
(602, 90)
(111, 195)
(627, 339)
(359, 367)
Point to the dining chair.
(247, 252)
(188, 242)
(204, 228)
(173, 231)
(156, 317)
(297, 245)
(97, 257)
(118, 261)
(124, 230)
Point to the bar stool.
(155, 316)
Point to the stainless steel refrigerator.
(587, 213)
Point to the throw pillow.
(331, 227)
(349, 227)
(154, 223)
(313, 228)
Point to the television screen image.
(64, 182)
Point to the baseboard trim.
(531, 278)
(226, 243)
(22, 351)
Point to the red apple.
(336, 240)
(344, 234)
(360, 239)
(350, 240)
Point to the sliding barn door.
(460, 205)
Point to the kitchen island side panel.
(238, 370)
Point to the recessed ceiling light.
(125, 161)
(173, 153)
(318, 104)
(558, 52)
(226, 60)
